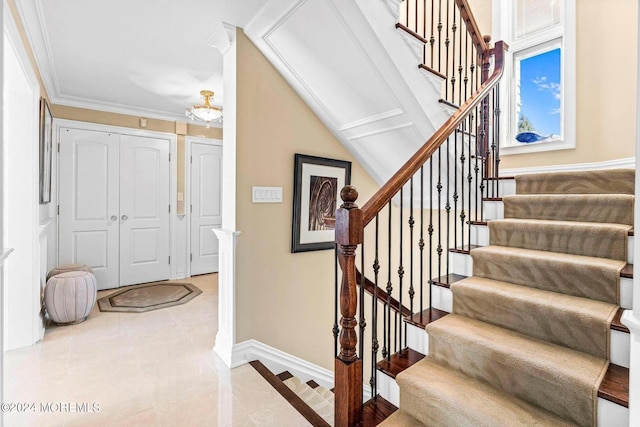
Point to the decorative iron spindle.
(454, 28)
(389, 291)
(401, 264)
(373, 382)
(439, 188)
(447, 209)
(335, 328)
(411, 224)
(446, 61)
(432, 39)
(421, 244)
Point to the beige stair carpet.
(438, 396)
(560, 380)
(316, 398)
(607, 208)
(571, 237)
(618, 181)
(582, 276)
(577, 323)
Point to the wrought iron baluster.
(439, 188)
(373, 381)
(432, 39)
(447, 208)
(446, 62)
(411, 224)
(363, 321)
(335, 328)
(400, 269)
(421, 244)
(389, 291)
(454, 28)
(439, 36)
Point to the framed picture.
(316, 187)
(46, 138)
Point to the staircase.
(528, 340)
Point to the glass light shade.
(205, 112)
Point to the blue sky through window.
(540, 92)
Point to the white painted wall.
(22, 324)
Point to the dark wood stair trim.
(616, 323)
(283, 376)
(376, 410)
(293, 399)
(449, 104)
(615, 385)
(464, 250)
(493, 178)
(399, 361)
(627, 271)
(313, 384)
(412, 33)
(446, 281)
(478, 223)
(432, 71)
(492, 199)
(424, 318)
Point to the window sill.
(536, 147)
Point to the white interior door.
(144, 209)
(89, 202)
(206, 213)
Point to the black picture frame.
(46, 145)
(317, 182)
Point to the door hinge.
(191, 257)
(169, 208)
(169, 156)
(169, 259)
(58, 147)
(190, 208)
(58, 209)
(191, 159)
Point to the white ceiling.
(141, 57)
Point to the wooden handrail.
(413, 165)
(472, 26)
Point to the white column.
(632, 318)
(224, 39)
(226, 336)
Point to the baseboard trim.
(278, 361)
(628, 162)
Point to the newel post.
(348, 367)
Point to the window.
(539, 74)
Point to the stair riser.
(463, 264)
(492, 210)
(619, 348)
(388, 388)
(506, 187)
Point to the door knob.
(124, 217)
(114, 217)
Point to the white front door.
(206, 213)
(114, 206)
(144, 209)
(89, 202)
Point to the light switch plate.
(266, 194)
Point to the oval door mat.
(147, 297)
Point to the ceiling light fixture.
(206, 112)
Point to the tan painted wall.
(606, 87)
(284, 300)
(156, 125)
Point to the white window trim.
(503, 15)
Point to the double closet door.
(114, 206)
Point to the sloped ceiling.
(142, 57)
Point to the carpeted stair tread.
(572, 237)
(578, 323)
(401, 418)
(558, 379)
(616, 181)
(606, 208)
(314, 400)
(435, 395)
(582, 276)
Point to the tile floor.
(141, 369)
